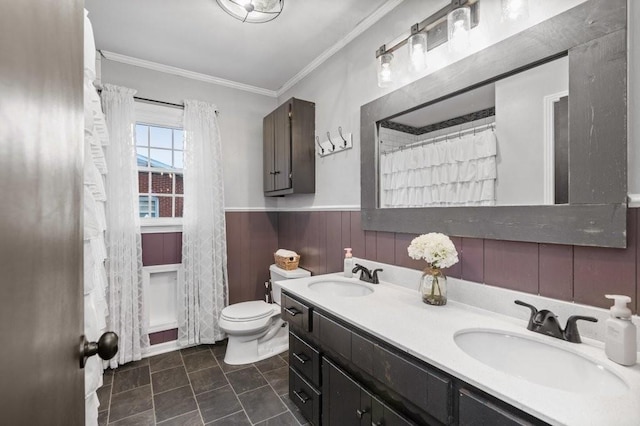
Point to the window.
(160, 157)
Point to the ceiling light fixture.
(452, 23)
(253, 11)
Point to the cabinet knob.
(361, 413)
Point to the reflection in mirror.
(504, 143)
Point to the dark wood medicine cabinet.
(593, 35)
(289, 156)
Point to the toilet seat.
(247, 311)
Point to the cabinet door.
(341, 397)
(383, 415)
(282, 147)
(268, 167)
(475, 410)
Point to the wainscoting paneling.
(555, 271)
(161, 249)
(511, 264)
(472, 259)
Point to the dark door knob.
(106, 347)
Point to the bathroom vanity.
(384, 358)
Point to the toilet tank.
(278, 274)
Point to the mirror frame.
(594, 37)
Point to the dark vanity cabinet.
(341, 376)
(289, 153)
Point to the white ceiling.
(198, 36)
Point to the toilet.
(255, 329)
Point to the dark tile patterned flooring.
(194, 386)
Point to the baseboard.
(161, 348)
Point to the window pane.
(161, 183)
(166, 206)
(143, 156)
(143, 182)
(160, 137)
(144, 206)
(179, 206)
(178, 139)
(142, 135)
(161, 158)
(177, 159)
(179, 184)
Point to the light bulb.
(385, 70)
(459, 25)
(418, 52)
(515, 10)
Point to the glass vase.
(433, 287)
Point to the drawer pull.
(292, 311)
(301, 357)
(303, 397)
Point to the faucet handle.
(534, 311)
(374, 276)
(570, 332)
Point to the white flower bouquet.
(437, 249)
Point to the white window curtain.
(203, 286)
(124, 248)
(460, 171)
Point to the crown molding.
(359, 29)
(365, 24)
(117, 57)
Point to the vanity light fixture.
(253, 11)
(515, 10)
(452, 23)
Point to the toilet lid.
(247, 311)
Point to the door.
(283, 146)
(268, 136)
(41, 121)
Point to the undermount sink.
(341, 288)
(539, 362)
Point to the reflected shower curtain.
(124, 248)
(203, 287)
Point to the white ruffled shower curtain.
(203, 287)
(455, 172)
(124, 248)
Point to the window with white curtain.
(160, 155)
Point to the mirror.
(504, 143)
(588, 205)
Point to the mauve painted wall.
(573, 273)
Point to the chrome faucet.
(546, 322)
(367, 275)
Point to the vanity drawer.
(305, 359)
(476, 410)
(335, 337)
(427, 389)
(295, 313)
(362, 353)
(305, 397)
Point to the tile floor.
(194, 386)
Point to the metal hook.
(333, 147)
(344, 141)
(318, 142)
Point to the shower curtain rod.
(169, 104)
(443, 137)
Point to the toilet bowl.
(255, 329)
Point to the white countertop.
(398, 316)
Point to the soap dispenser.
(620, 342)
(348, 263)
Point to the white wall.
(633, 121)
(348, 80)
(520, 125)
(240, 121)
